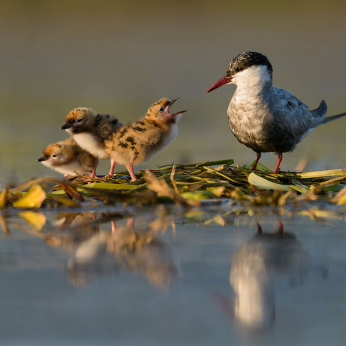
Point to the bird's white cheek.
(69, 131)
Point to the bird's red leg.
(259, 228)
(129, 167)
(281, 227)
(111, 171)
(93, 173)
(255, 164)
(278, 165)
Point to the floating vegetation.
(187, 185)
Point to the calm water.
(119, 57)
(160, 276)
(166, 276)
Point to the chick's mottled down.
(67, 156)
(139, 141)
(90, 131)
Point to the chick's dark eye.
(53, 155)
(79, 120)
(162, 109)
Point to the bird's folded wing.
(294, 116)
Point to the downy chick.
(67, 156)
(90, 130)
(139, 141)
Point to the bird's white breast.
(66, 169)
(171, 136)
(89, 143)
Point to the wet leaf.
(298, 186)
(210, 193)
(66, 201)
(265, 184)
(34, 219)
(340, 197)
(3, 195)
(33, 199)
(110, 186)
(238, 194)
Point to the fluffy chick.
(67, 156)
(139, 141)
(90, 131)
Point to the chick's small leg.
(129, 167)
(93, 173)
(111, 172)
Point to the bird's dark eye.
(79, 120)
(162, 109)
(53, 155)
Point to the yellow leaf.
(3, 198)
(35, 220)
(33, 199)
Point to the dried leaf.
(161, 188)
(173, 181)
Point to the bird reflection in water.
(257, 268)
(100, 252)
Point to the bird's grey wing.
(294, 116)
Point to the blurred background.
(119, 57)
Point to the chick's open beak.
(170, 105)
(66, 126)
(222, 81)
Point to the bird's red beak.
(222, 81)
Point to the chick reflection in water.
(80, 235)
(143, 252)
(258, 266)
(105, 253)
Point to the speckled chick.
(67, 156)
(139, 141)
(90, 131)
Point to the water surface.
(169, 277)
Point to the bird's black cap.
(245, 60)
